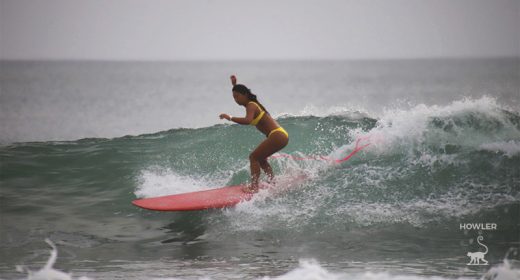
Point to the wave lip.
(509, 148)
(465, 122)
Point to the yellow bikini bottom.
(279, 129)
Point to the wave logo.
(477, 257)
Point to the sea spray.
(47, 272)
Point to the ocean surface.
(80, 140)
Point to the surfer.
(257, 115)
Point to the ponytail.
(246, 91)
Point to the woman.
(256, 115)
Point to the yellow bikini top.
(259, 117)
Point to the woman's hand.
(225, 116)
(233, 80)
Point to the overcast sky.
(258, 29)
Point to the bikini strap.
(256, 105)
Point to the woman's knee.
(255, 157)
(264, 162)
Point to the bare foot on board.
(249, 189)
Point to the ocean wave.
(416, 170)
(422, 165)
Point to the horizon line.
(259, 59)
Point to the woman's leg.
(266, 167)
(258, 157)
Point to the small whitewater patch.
(353, 113)
(509, 148)
(159, 181)
(47, 272)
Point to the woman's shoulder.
(253, 104)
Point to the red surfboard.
(214, 198)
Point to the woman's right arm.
(250, 112)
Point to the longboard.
(214, 198)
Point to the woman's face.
(240, 99)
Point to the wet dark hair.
(242, 89)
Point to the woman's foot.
(250, 189)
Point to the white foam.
(158, 181)
(504, 271)
(308, 270)
(312, 270)
(410, 128)
(509, 148)
(48, 272)
(269, 208)
(351, 112)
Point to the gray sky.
(266, 29)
